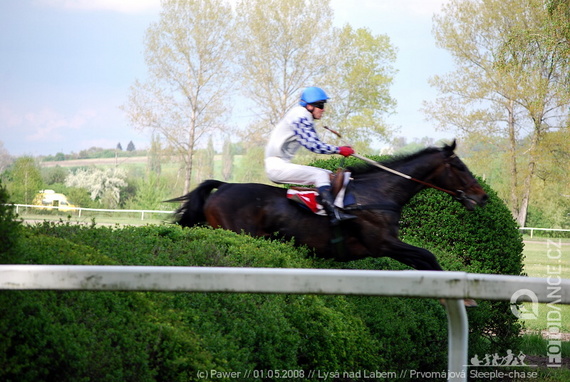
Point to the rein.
(459, 194)
(374, 163)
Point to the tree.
(559, 30)
(119, 147)
(5, 158)
(297, 46)
(359, 84)
(151, 191)
(103, 184)
(507, 84)
(154, 154)
(9, 227)
(26, 180)
(188, 54)
(227, 160)
(290, 51)
(131, 146)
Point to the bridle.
(457, 194)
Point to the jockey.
(296, 129)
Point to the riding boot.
(335, 215)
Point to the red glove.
(345, 151)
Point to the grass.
(548, 258)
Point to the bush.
(486, 240)
(9, 229)
(170, 336)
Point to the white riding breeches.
(282, 171)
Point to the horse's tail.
(191, 212)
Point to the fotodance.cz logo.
(552, 312)
(520, 311)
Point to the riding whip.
(368, 160)
(374, 163)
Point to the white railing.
(531, 229)
(80, 209)
(451, 286)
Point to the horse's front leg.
(416, 257)
(379, 234)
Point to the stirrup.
(339, 216)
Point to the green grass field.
(544, 258)
(548, 258)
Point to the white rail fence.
(452, 286)
(80, 209)
(531, 229)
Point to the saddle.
(307, 196)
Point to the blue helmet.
(313, 94)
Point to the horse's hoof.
(469, 302)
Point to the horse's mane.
(366, 168)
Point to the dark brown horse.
(262, 210)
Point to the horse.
(264, 211)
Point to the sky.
(66, 67)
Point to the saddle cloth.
(307, 197)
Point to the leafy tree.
(188, 54)
(506, 83)
(154, 154)
(5, 158)
(551, 205)
(151, 191)
(297, 46)
(359, 84)
(79, 197)
(246, 171)
(227, 160)
(54, 175)
(559, 31)
(26, 180)
(103, 184)
(290, 51)
(9, 227)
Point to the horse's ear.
(451, 148)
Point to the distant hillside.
(94, 161)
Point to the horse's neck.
(421, 168)
(402, 189)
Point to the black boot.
(335, 215)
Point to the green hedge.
(127, 336)
(9, 228)
(171, 336)
(486, 240)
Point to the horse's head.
(453, 175)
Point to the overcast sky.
(66, 67)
